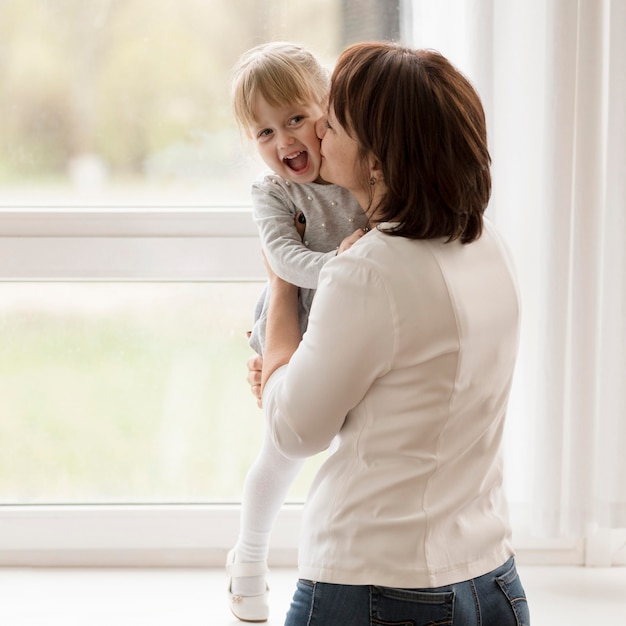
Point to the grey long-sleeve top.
(331, 215)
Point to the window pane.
(127, 102)
(127, 392)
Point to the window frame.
(129, 244)
(142, 535)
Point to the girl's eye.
(296, 119)
(266, 132)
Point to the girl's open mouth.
(298, 162)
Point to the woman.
(407, 362)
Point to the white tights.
(264, 491)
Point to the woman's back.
(412, 493)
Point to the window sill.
(133, 535)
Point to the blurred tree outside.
(134, 94)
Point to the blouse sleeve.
(349, 343)
(287, 255)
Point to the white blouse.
(405, 368)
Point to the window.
(129, 268)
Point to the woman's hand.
(255, 367)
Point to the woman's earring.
(372, 181)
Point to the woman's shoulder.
(389, 257)
(373, 253)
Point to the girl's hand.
(300, 222)
(350, 240)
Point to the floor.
(558, 596)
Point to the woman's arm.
(349, 343)
(282, 335)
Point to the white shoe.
(247, 608)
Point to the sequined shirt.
(331, 213)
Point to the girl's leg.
(264, 491)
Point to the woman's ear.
(375, 171)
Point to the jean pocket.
(511, 586)
(406, 607)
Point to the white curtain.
(552, 76)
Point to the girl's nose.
(286, 139)
(321, 127)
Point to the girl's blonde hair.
(283, 73)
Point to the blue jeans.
(494, 599)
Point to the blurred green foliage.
(127, 393)
(128, 79)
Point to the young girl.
(279, 93)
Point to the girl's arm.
(282, 245)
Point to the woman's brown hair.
(422, 120)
